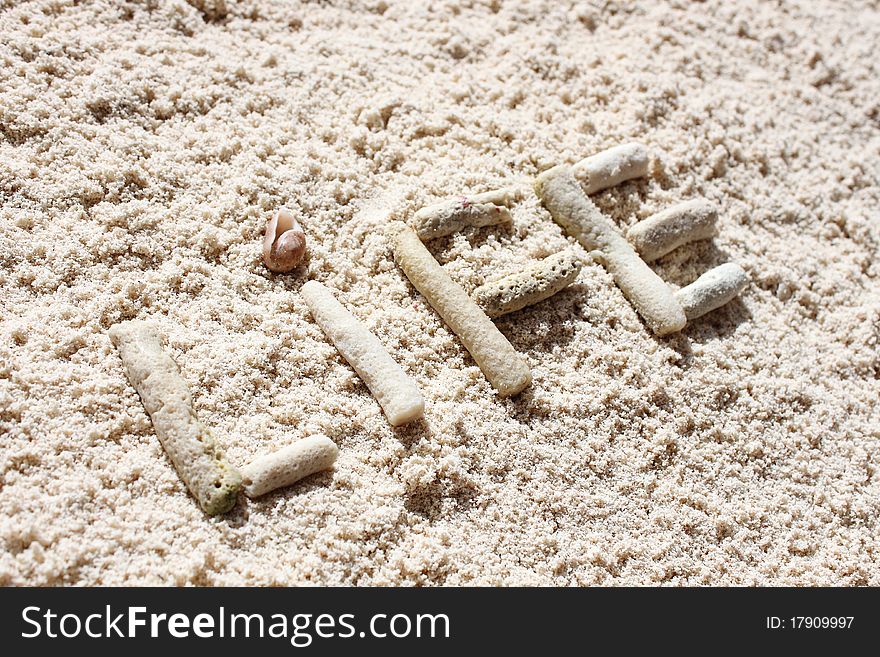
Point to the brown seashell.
(284, 244)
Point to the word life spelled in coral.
(563, 190)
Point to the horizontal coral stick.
(712, 290)
(451, 215)
(612, 167)
(288, 465)
(673, 227)
(535, 282)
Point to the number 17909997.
(810, 622)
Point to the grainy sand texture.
(144, 145)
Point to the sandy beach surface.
(144, 144)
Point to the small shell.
(284, 244)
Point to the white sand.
(143, 146)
